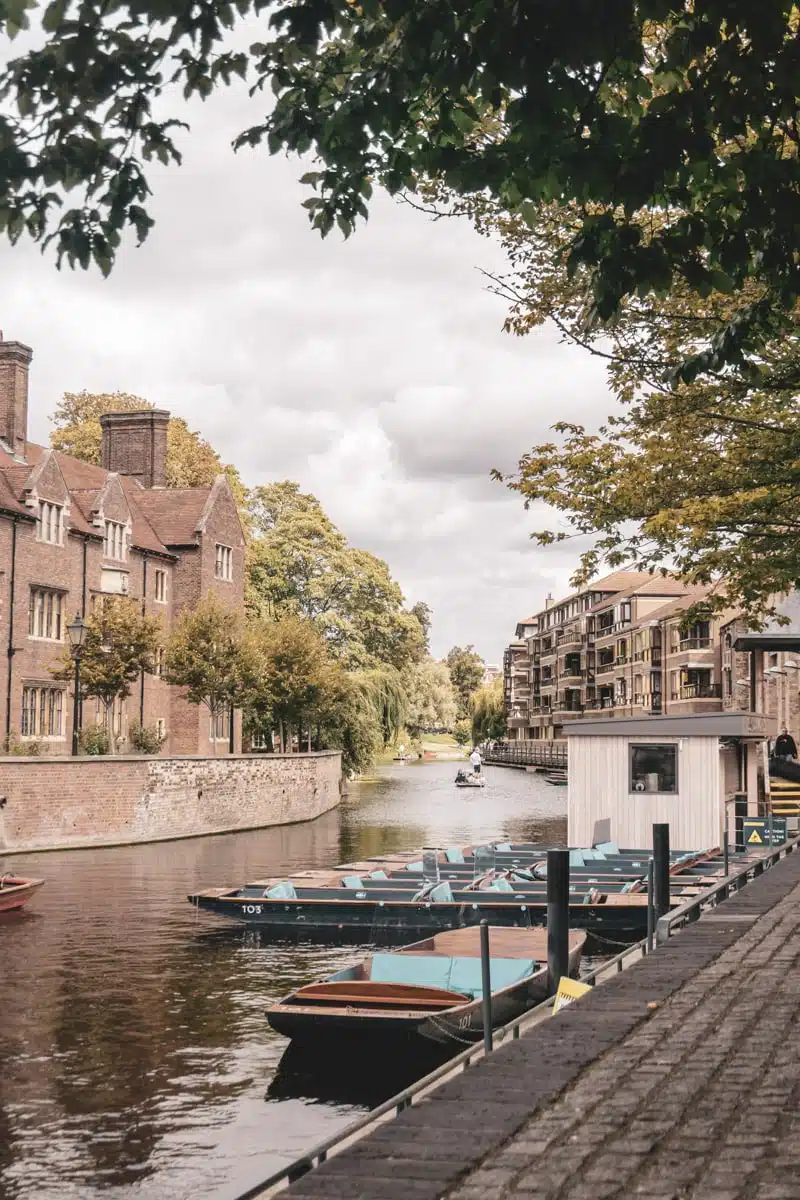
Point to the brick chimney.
(135, 443)
(14, 362)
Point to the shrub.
(95, 739)
(13, 745)
(145, 739)
(463, 732)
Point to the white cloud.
(375, 372)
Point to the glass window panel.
(654, 768)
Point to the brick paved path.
(679, 1078)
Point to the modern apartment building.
(616, 648)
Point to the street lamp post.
(76, 632)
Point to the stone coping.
(61, 759)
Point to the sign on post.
(569, 990)
(757, 832)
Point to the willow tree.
(488, 713)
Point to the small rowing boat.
(15, 891)
(468, 779)
(432, 989)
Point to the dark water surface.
(135, 1060)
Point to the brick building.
(71, 532)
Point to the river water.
(135, 1060)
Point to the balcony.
(652, 656)
(622, 660)
(699, 691)
(605, 668)
(695, 643)
(607, 631)
(570, 637)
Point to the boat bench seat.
(452, 974)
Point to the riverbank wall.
(67, 803)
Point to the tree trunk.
(282, 733)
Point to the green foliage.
(299, 563)
(466, 669)
(211, 656)
(21, 749)
(96, 739)
(686, 109)
(120, 644)
(294, 674)
(146, 739)
(488, 713)
(432, 699)
(191, 460)
(463, 732)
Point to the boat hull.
(15, 893)
(382, 922)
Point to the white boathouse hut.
(682, 770)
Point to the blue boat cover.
(454, 974)
(576, 859)
(352, 881)
(281, 891)
(454, 855)
(503, 847)
(608, 848)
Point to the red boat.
(15, 891)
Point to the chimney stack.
(548, 600)
(15, 359)
(135, 444)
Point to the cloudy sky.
(375, 371)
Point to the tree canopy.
(299, 562)
(466, 669)
(488, 713)
(191, 460)
(432, 698)
(685, 108)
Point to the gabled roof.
(175, 513)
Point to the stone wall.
(50, 803)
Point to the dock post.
(726, 845)
(557, 916)
(651, 906)
(486, 984)
(661, 869)
(740, 811)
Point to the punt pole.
(661, 868)
(651, 906)
(557, 917)
(486, 984)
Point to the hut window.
(653, 768)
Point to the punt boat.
(15, 892)
(470, 779)
(432, 989)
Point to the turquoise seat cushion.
(465, 974)
(454, 855)
(500, 885)
(608, 848)
(442, 893)
(378, 875)
(352, 881)
(576, 859)
(425, 970)
(453, 974)
(503, 847)
(281, 891)
(415, 866)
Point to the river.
(135, 1060)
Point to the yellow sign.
(755, 837)
(569, 990)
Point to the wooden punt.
(431, 989)
(15, 892)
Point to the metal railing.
(528, 754)
(733, 882)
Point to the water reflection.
(136, 1060)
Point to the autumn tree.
(299, 562)
(211, 657)
(466, 669)
(685, 109)
(120, 643)
(191, 460)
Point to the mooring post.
(651, 907)
(486, 984)
(725, 846)
(557, 916)
(740, 812)
(661, 869)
